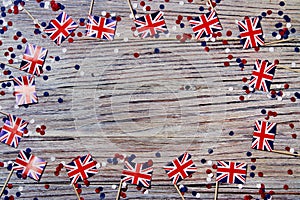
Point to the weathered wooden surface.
(175, 101)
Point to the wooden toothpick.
(91, 7)
(286, 153)
(3, 113)
(35, 21)
(9, 65)
(7, 80)
(182, 197)
(7, 180)
(278, 41)
(119, 190)
(288, 68)
(131, 9)
(211, 5)
(75, 189)
(216, 190)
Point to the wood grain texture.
(175, 101)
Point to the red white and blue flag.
(264, 135)
(29, 165)
(12, 131)
(25, 90)
(180, 168)
(137, 174)
(33, 59)
(60, 28)
(101, 27)
(262, 75)
(151, 25)
(231, 172)
(81, 168)
(205, 25)
(251, 34)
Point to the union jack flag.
(137, 174)
(231, 172)
(262, 75)
(60, 28)
(251, 33)
(12, 131)
(205, 25)
(151, 25)
(101, 27)
(264, 135)
(81, 168)
(180, 168)
(25, 90)
(33, 59)
(29, 165)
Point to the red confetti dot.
(247, 91)
(10, 61)
(150, 163)
(208, 171)
(107, 15)
(97, 190)
(2, 93)
(287, 148)
(286, 86)
(226, 64)
(1, 164)
(136, 55)
(56, 173)
(9, 23)
(189, 18)
(24, 40)
(0, 42)
(47, 186)
(148, 8)
(294, 136)
(260, 174)
(271, 192)
(43, 127)
(4, 28)
(242, 98)
(180, 17)
(244, 79)
(230, 57)
(286, 187)
(123, 195)
(142, 3)
(228, 33)
(70, 40)
(214, 166)
(276, 62)
(256, 49)
(290, 172)
(79, 34)
(177, 21)
(225, 42)
(10, 186)
(79, 190)
(269, 12)
(293, 99)
(138, 188)
(118, 18)
(9, 11)
(42, 132)
(24, 176)
(16, 37)
(38, 130)
(247, 197)
(11, 197)
(219, 34)
(190, 1)
(206, 49)
(208, 186)
(244, 61)
(253, 159)
(86, 182)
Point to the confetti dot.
(231, 133)
(210, 151)
(60, 100)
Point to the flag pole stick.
(7, 80)
(119, 190)
(91, 7)
(216, 190)
(7, 180)
(286, 153)
(75, 189)
(288, 68)
(182, 197)
(131, 9)
(12, 66)
(210, 3)
(30, 15)
(278, 41)
(3, 113)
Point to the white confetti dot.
(293, 64)
(114, 187)
(206, 39)
(213, 39)
(227, 50)
(5, 164)
(98, 165)
(146, 192)
(240, 186)
(210, 175)
(181, 3)
(230, 88)
(137, 16)
(35, 21)
(209, 162)
(236, 21)
(52, 158)
(198, 195)
(64, 50)
(287, 94)
(288, 25)
(124, 185)
(279, 98)
(20, 188)
(208, 179)
(103, 164)
(113, 14)
(135, 33)
(81, 73)
(9, 162)
(271, 49)
(144, 9)
(251, 89)
(118, 34)
(125, 39)
(278, 37)
(47, 5)
(32, 121)
(37, 126)
(292, 150)
(181, 186)
(134, 5)
(131, 16)
(103, 13)
(174, 28)
(116, 50)
(258, 185)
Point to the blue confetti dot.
(285, 36)
(161, 6)
(77, 67)
(46, 94)
(297, 49)
(268, 196)
(2, 66)
(109, 160)
(19, 175)
(218, 1)
(18, 194)
(183, 189)
(203, 161)
(3, 85)
(28, 150)
(79, 185)
(263, 111)
(249, 154)
(62, 7)
(100, 189)
(60, 100)
(37, 31)
(201, 8)
(48, 68)
(8, 84)
(281, 3)
(42, 4)
(241, 65)
(274, 34)
(280, 13)
(19, 33)
(156, 50)
(12, 55)
(45, 78)
(263, 14)
(278, 25)
(102, 196)
(210, 151)
(57, 58)
(231, 133)
(157, 155)
(253, 167)
(9, 167)
(5, 192)
(293, 30)
(3, 14)
(43, 24)
(19, 47)
(252, 174)
(81, 20)
(181, 25)
(35, 198)
(115, 161)
(287, 18)
(2, 8)
(203, 43)
(194, 193)
(238, 60)
(297, 94)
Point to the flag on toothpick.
(81, 168)
(205, 25)
(264, 135)
(12, 131)
(33, 59)
(262, 75)
(60, 28)
(231, 172)
(180, 168)
(25, 90)
(101, 27)
(29, 165)
(151, 25)
(137, 174)
(251, 34)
